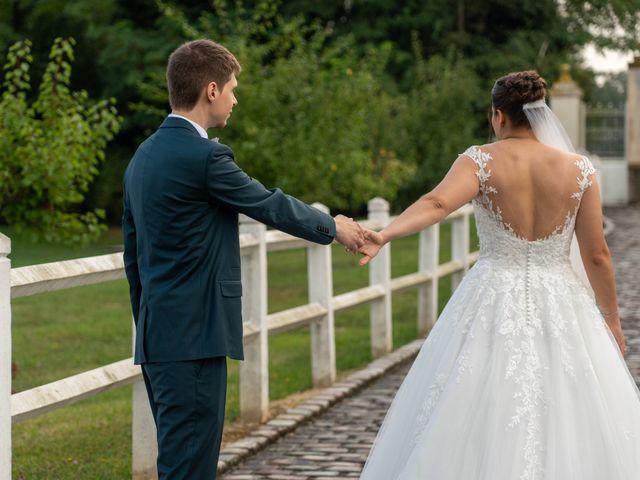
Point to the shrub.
(50, 148)
(437, 121)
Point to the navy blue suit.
(182, 196)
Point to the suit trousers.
(187, 400)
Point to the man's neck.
(194, 116)
(199, 128)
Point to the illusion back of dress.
(528, 201)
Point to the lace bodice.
(500, 242)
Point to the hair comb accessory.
(536, 104)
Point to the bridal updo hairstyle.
(512, 91)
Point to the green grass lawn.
(62, 333)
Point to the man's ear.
(212, 91)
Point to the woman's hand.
(373, 242)
(616, 330)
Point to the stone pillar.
(566, 102)
(632, 128)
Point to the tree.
(50, 148)
(612, 90)
(117, 42)
(497, 36)
(435, 124)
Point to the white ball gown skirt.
(519, 379)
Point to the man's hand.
(349, 233)
(372, 245)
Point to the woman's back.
(532, 189)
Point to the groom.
(182, 196)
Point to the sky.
(607, 60)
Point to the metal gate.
(606, 129)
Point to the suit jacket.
(182, 196)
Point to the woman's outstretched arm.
(458, 187)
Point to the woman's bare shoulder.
(493, 150)
(531, 147)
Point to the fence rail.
(255, 242)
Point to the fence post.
(144, 444)
(428, 262)
(460, 247)
(320, 278)
(254, 370)
(5, 358)
(380, 274)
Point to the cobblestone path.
(336, 444)
(624, 243)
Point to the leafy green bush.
(50, 148)
(305, 125)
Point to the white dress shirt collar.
(201, 131)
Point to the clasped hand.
(357, 239)
(349, 233)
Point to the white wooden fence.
(255, 241)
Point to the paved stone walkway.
(336, 444)
(624, 243)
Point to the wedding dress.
(520, 378)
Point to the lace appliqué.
(526, 370)
(584, 182)
(481, 159)
(429, 403)
(586, 169)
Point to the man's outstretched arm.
(229, 185)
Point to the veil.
(548, 130)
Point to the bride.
(522, 376)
